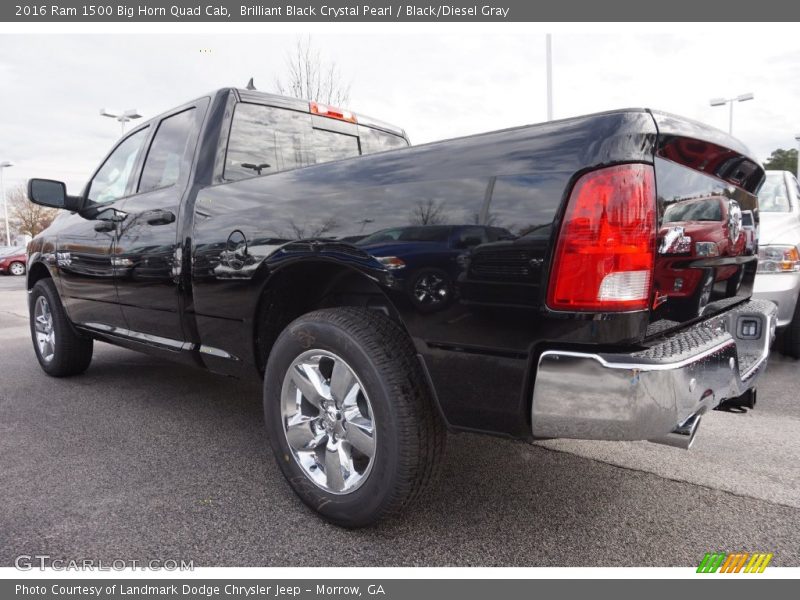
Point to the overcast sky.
(435, 86)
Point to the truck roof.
(286, 102)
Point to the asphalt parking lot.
(139, 459)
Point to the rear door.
(147, 256)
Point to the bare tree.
(311, 78)
(27, 217)
(427, 212)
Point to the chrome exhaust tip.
(682, 436)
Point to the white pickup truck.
(778, 277)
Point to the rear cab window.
(269, 139)
(375, 140)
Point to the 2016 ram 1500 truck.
(523, 282)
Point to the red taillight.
(606, 247)
(332, 112)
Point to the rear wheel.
(16, 268)
(60, 349)
(790, 345)
(350, 417)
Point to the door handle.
(104, 226)
(160, 217)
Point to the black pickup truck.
(236, 233)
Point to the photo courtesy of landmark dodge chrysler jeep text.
(523, 283)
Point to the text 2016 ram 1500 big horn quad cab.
(225, 234)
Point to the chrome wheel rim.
(17, 269)
(44, 330)
(430, 289)
(328, 421)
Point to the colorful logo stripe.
(735, 562)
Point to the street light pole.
(730, 101)
(121, 116)
(3, 166)
(730, 118)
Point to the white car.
(778, 277)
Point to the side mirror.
(47, 192)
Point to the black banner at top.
(398, 11)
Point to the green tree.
(782, 160)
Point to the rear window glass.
(375, 140)
(329, 145)
(265, 139)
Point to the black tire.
(790, 344)
(71, 351)
(734, 283)
(409, 434)
(17, 266)
(703, 294)
(430, 290)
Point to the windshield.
(774, 197)
(11, 251)
(696, 210)
(423, 233)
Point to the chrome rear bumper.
(656, 394)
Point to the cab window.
(471, 236)
(163, 162)
(111, 181)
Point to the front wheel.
(734, 282)
(16, 268)
(704, 293)
(60, 349)
(350, 417)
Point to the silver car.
(778, 277)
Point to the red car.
(13, 261)
(696, 229)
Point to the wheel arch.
(310, 284)
(35, 272)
